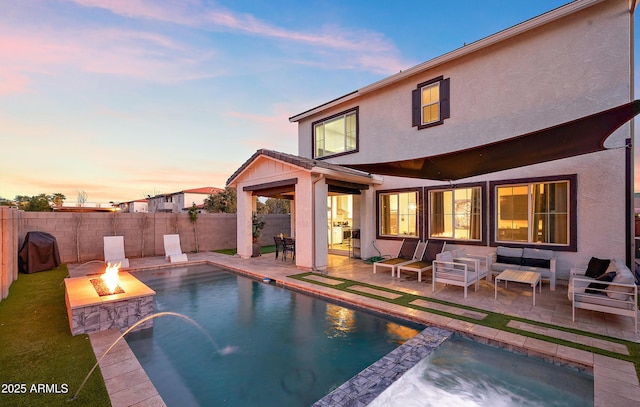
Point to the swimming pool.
(279, 347)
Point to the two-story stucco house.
(180, 201)
(521, 139)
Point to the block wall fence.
(80, 235)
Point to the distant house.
(177, 202)
(520, 139)
(137, 206)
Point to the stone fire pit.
(90, 312)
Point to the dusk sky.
(127, 98)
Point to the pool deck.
(615, 381)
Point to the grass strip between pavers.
(493, 319)
(41, 364)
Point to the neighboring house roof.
(302, 162)
(467, 49)
(203, 190)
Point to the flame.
(110, 277)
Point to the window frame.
(419, 212)
(444, 105)
(344, 113)
(483, 213)
(572, 218)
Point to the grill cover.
(39, 252)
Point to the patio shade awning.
(573, 138)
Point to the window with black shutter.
(430, 103)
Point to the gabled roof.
(548, 17)
(308, 164)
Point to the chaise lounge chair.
(425, 262)
(172, 249)
(410, 250)
(114, 250)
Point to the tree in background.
(193, 217)
(39, 203)
(223, 202)
(277, 206)
(57, 199)
(6, 202)
(36, 203)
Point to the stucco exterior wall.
(569, 68)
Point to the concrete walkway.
(616, 381)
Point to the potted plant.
(257, 224)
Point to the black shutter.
(416, 117)
(445, 109)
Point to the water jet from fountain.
(227, 350)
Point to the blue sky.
(124, 98)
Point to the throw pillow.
(445, 256)
(623, 276)
(596, 288)
(597, 267)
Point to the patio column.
(243, 229)
(320, 222)
(367, 227)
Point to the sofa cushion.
(509, 255)
(537, 253)
(537, 258)
(597, 267)
(542, 263)
(623, 276)
(598, 288)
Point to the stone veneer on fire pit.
(89, 312)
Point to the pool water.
(271, 346)
(461, 372)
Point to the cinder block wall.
(9, 232)
(83, 232)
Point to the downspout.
(630, 143)
(313, 220)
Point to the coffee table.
(517, 276)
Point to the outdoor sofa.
(525, 259)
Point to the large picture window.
(336, 135)
(456, 213)
(535, 212)
(398, 214)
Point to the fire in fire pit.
(107, 284)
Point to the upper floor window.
(336, 135)
(456, 213)
(430, 103)
(398, 214)
(539, 212)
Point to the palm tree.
(57, 199)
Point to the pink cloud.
(141, 55)
(368, 50)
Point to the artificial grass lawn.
(234, 251)
(36, 346)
